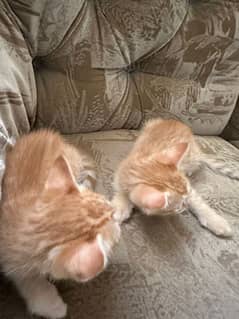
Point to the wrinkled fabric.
(17, 83)
(124, 31)
(86, 81)
(44, 23)
(119, 32)
(28, 14)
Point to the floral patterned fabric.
(45, 23)
(85, 81)
(110, 64)
(198, 70)
(118, 32)
(115, 68)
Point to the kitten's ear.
(60, 177)
(173, 155)
(148, 197)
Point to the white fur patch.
(12, 141)
(81, 187)
(207, 216)
(166, 199)
(104, 247)
(2, 165)
(54, 252)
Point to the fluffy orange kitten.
(154, 175)
(49, 226)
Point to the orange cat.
(154, 175)
(50, 226)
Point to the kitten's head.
(78, 231)
(161, 189)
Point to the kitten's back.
(31, 159)
(161, 134)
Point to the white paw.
(121, 216)
(217, 225)
(123, 210)
(48, 304)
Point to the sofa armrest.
(17, 82)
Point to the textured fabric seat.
(96, 71)
(163, 267)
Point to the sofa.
(96, 70)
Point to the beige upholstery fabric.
(17, 83)
(110, 64)
(118, 32)
(167, 268)
(86, 81)
(102, 82)
(44, 23)
(196, 75)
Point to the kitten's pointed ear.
(173, 155)
(148, 197)
(60, 177)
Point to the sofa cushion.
(84, 83)
(124, 31)
(82, 99)
(205, 48)
(207, 111)
(119, 32)
(195, 77)
(117, 76)
(45, 23)
(167, 268)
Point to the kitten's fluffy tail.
(222, 167)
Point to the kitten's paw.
(123, 209)
(217, 225)
(48, 304)
(121, 216)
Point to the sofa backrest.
(120, 32)
(110, 64)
